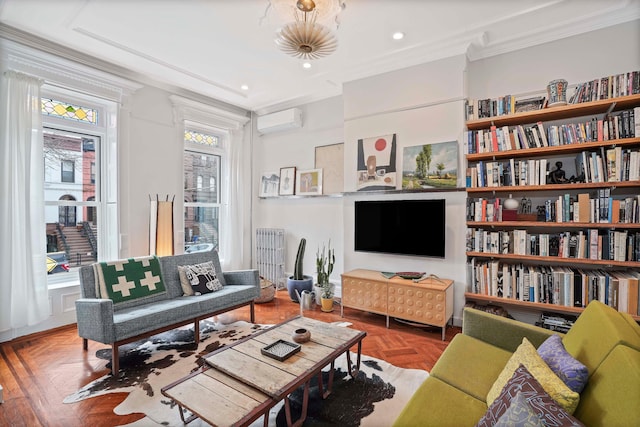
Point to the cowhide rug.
(374, 398)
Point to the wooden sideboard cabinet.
(429, 301)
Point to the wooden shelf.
(569, 113)
(554, 187)
(364, 193)
(537, 306)
(542, 224)
(555, 260)
(560, 149)
(557, 113)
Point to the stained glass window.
(200, 138)
(51, 107)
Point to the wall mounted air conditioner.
(280, 121)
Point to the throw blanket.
(130, 279)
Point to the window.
(68, 171)
(202, 169)
(80, 196)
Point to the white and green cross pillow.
(130, 279)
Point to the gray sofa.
(100, 320)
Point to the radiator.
(270, 248)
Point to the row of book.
(564, 286)
(599, 207)
(621, 125)
(508, 104)
(607, 87)
(614, 164)
(590, 244)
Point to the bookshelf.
(562, 257)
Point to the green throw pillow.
(130, 279)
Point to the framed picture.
(269, 184)
(330, 158)
(430, 166)
(309, 182)
(377, 163)
(287, 181)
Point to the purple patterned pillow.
(549, 411)
(574, 374)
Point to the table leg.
(327, 392)
(353, 370)
(305, 404)
(188, 420)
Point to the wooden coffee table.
(239, 384)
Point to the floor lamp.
(161, 226)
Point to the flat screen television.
(406, 227)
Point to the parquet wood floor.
(38, 371)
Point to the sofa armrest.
(243, 277)
(501, 331)
(95, 319)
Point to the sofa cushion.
(470, 365)
(519, 413)
(527, 355)
(199, 279)
(522, 382)
(612, 396)
(600, 324)
(129, 279)
(140, 319)
(436, 403)
(170, 265)
(571, 371)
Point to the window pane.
(70, 204)
(51, 107)
(68, 169)
(202, 198)
(201, 228)
(202, 173)
(201, 138)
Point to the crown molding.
(188, 109)
(616, 15)
(44, 46)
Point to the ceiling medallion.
(305, 38)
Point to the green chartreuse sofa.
(602, 339)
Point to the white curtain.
(24, 299)
(232, 245)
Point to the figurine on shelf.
(557, 176)
(525, 206)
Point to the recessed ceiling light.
(398, 35)
(244, 87)
(306, 65)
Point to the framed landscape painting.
(430, 166)
(309, 182)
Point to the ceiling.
(213, 47)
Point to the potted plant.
(299, 282)
(325, 260)
(326, 299)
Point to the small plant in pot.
(299, 281)
(325, 260)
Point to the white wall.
(421, 105)
(577, 59)
(317, 219)
(152, 154)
